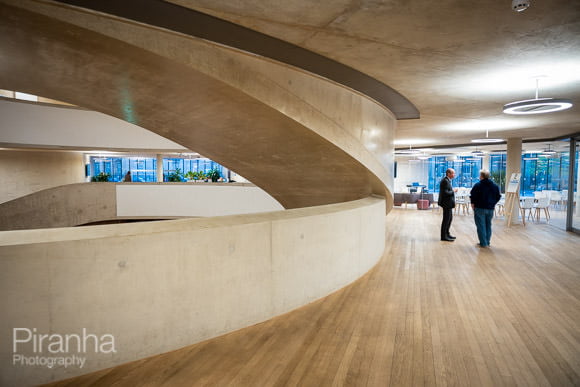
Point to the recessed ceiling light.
(537, 105)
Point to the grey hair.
(484, 174)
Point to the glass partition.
(573, 198)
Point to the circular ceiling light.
(537, 105)
(486, 139)
(548, 151)
(409, 151)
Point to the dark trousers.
(446, 223)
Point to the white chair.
(556, 199)
(500, 206)
(527, 204)
(542, 204)
(435, 200)
(564, 197)
(462, 202)
(539, 194)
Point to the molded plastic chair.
(462, 202)
(500, 206)
(556, 199)
(527, 204)
(542, 204)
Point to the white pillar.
(514, 165)
(485, 162)
(160, 168)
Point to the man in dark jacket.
(484, 196)
(447, 203)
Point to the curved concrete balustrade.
(84, 203)
(185, 20)
(277, 126)
(159, 286)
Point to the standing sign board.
(514, 183)
(511, 195)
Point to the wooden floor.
(430, 313)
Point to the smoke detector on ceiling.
(520, 5)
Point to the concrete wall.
(192, 199)
(356, 124)
(39, 125)
(159, 286)
(24, 172)
(78, 204)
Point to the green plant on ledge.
(214, 175)
(101, 177)
(175, 176)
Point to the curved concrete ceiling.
(458, 62)
(184, 20)
(288, 160)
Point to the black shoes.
(451, 237)
(448, 239)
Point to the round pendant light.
(537, 105)
(487, 139)
(409, 152)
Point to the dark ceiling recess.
(184, 20)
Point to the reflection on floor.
(430, 313)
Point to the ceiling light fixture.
(549, 151)
(537, 105)
(409, 151)
(487, 140)
(477, 153)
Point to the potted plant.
(101, 177)
(190, 176)
(214, 175)
(175, 176)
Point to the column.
(514, 165)
(485, 162)
(160, 168)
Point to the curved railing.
(304, 140)
(85, 203)
(158, 286)
(317, 147)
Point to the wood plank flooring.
(430, 313)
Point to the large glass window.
(183, 166)
(541, 173)
(497, 168)
(142, 168)
(466, 170)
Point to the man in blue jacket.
(484, 196)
